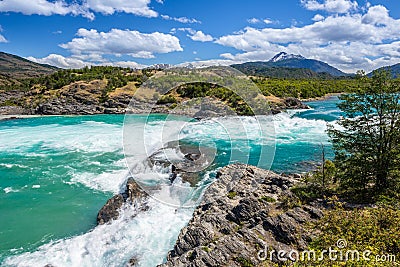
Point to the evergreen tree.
(367, 141)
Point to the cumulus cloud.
(60, 61)
(44, 7)
(332, 6)
(377, 15)
(122, 42)
(76, 63)
(194, 35)
(85, 9)
(201, 37)
(318, 17)
(180, 19)
(349, 41)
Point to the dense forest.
(306, 88)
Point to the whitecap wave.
(10, 190)
(147, 237)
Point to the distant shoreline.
(162, 110)
(320, 98)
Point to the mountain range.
(296, 65)
(394, 69)
(282, 65)
(13, 68)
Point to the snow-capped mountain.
(283, 61)
(284, 56)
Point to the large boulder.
(133, 194)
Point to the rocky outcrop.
(133, 194)
(246, 210)
(86, 98)
(294, 103)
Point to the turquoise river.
(56, 172)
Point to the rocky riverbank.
(83, 98)
(245, 211)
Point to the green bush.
(232, 194)
(167, 99)
(267, 199)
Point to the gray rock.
(294, 103)
(132, 262)
(132, 194)
(239, 214)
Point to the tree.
(367, 141)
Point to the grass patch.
(267, 199)
(206, 249)
(375, 229)
(232, 194)
(244, 262)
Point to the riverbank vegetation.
(360, 186)
(366, 143)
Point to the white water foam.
(151, 234)
(85, 137)
(109, 181)
(9, 166)
(290, 129)
(147, 237)
(10, 190)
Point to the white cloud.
(109, 7)
(180, 19)
(377, 15)
(189, 30)
(253, 21)
(60, 61)
(256, 21)
(76, 63)
(125, 64)
(318, 17)
(349, 42)
(44, 7)
(85, 9)
(3, 39)
(194, 35)
(122, 42)
(201, 37)
(332, 6)
(207, 63)
(268, 21)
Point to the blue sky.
(347, 34)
